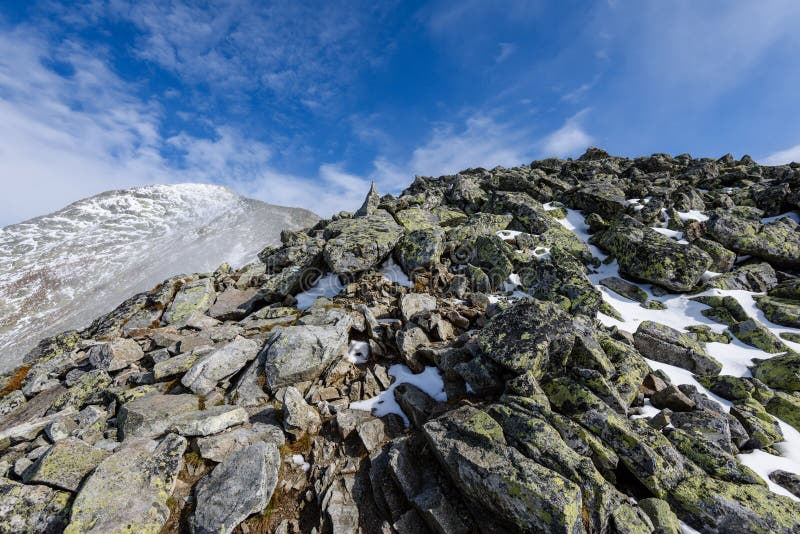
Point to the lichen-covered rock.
(664, 344)
(646, 453)
(471, 448)
(218, 446)
(204, 375)
(560, 278)
(303, 352)
(194, 297)
(624, 288)
(757, 277)
(356, 245)
(129, 490)
(644, 254)
(722, 259)
(31, 509)
(776, 242)
(786, 407)
(533, 436)
(531, 335)
(762, 428)
(212, 420)
(90, 385)
(238, 487)
(663, 518)
(115, 355)
(152, 415)
(712, 459)
(782, 372)
(716, 506)
(756, 334)
(419, 249)
(299, 418)
(65, 464)
(780, 311)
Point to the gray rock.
(673, 398)
(30, 429)
(194, 297)
(152, 415)
(212, 420)
(238, 487)
(299, 353)
(667, 345)
(11, 402)
(115, 355)
(415, 403)
(65, 464)
(299, 418)
(790, 481)
(530, 335)
(372, 434)
(356, 245)
(129, 490)
(420, 249)
(204, 375)
(470, 446)
(412, 304)
(217, 447)
(32, 509)
(644, 254)
(181, 363)
(371, 202)
(776, 242)
(664, 519)
(234, 304)
(340, 507)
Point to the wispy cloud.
(782, 157)
(506, 50)
(66, 137)
(568, 140)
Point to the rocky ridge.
(594, 345)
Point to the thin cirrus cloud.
(781, 157)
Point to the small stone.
(299, 418)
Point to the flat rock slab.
(194, 297)
(217, 447)
(115, 355)
(28, 508)
(234, 304)
(210, 421)
(128, 491)
(204, 375)
(152, 415)
(65, 464)
(238, 487)
(299, 353)
(667, 345)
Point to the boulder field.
(599, 345)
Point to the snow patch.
(395, 274)
(429, 380)
(327, 286)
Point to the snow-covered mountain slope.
(62, 270)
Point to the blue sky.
(303, 103)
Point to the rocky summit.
(600, 345)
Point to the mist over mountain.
(61, 270)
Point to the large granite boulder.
(129, 490)
(358, 244)
(471, 448)
(238, 487)
(644, 254)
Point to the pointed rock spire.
(370, 203)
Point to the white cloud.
(482, 142)
(63, 138)
(782, 157)
(506, 50)
(568, 140)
